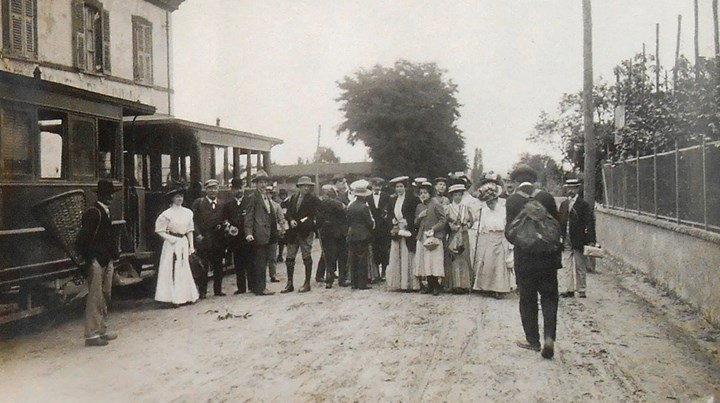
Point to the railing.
(682, 185)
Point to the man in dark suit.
(578, 223)
(380, 207)
(535, 274)
(96, 243)
(301, 212)
(360, 222)
(260, 231)
(332, 226)
(341, 188)
(209, 238)
(234, 213)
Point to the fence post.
(637, 180)
(624, 185)
(704, 178)
(655, 177)
(677, 179)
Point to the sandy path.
(344, 345)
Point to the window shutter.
(16, 26)
(106, 40)
(148, 54)
(136, 54)
(78, 32)
(32, 24)
(6, 25)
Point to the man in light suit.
(578, 223)
(360, 222)
(209, 238)
(260, 231)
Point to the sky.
(271, 67)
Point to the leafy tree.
(325, 155)
(406, 116)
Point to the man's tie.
(212, 203)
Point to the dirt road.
(626, 342)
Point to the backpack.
(534, 230)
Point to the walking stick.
(474, 259)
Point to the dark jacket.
(234, 213)
(524, 261)
(408, 209)
(259, 221)
(331, 218)
(304, 216)
(380, 214)
(582, 223)
(208, 223)
(360, 221)
(434, 220)
(96, 239)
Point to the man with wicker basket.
(98, 247)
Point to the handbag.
(593, 251)
(431, 243)
(456, 243)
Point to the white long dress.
(175, 283)
(494, 261)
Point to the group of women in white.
(452, 243)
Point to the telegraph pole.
(590, 153)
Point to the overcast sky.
(270, 67)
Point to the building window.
(19, 27)
(53, 143)
(16, 144)
(142, 50)
(91, 36)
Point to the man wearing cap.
(96, 243)
(301, 212)
(578, 224)
(359, 234)
(209, 241)
(441, 183)
(234, 213)
(332, 226)
(282, 226)
(535, 274)
(260, 231)
(380, 207)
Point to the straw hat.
(360, 188)
(305, 180)
(459, 187)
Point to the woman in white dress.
(400, 272)
(175, 282)
(458, 278)
(430, 222)
(494, 259)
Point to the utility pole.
(590, 154)
(715, 25)
(677, 51)
(697, 42)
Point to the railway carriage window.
(221, 163)
(16, 144)
(53, 143)
(165, 168)
(82, 148)
(107, 134)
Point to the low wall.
(685, 260)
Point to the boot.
(308, 275)
(290, 271)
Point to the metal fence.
(682, 185)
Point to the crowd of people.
(430, 236)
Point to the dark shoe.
(203, 296)
(567, 295)
(582, 294)
(288, 288)
(436, 291)
(305, 288)
(96, 342)
(264, 292)
(344, 284)
(424, 290)
(548, 350)
(108, 336)
(238, 292)
(528, 346)
(328, 286)
(364, 288)
(274, 280)
(220, 294)
(319, 279)
(280, 259)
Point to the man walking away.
(97, 245)
(359, 235)
(332, 226)
(536, 273)
(578, 224)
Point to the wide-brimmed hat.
(490, 190)
(458, 187)
(377, 180)
(260, 175)
(305, 180)
(426, 185)
(105, 187)
(523, 171)
(491, 178)
(360, 188)
(419, 181)
(572, 182)
(173, 190)
(399, 179)
(211, 182)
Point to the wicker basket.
(61, 216)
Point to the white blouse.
(492, 220)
